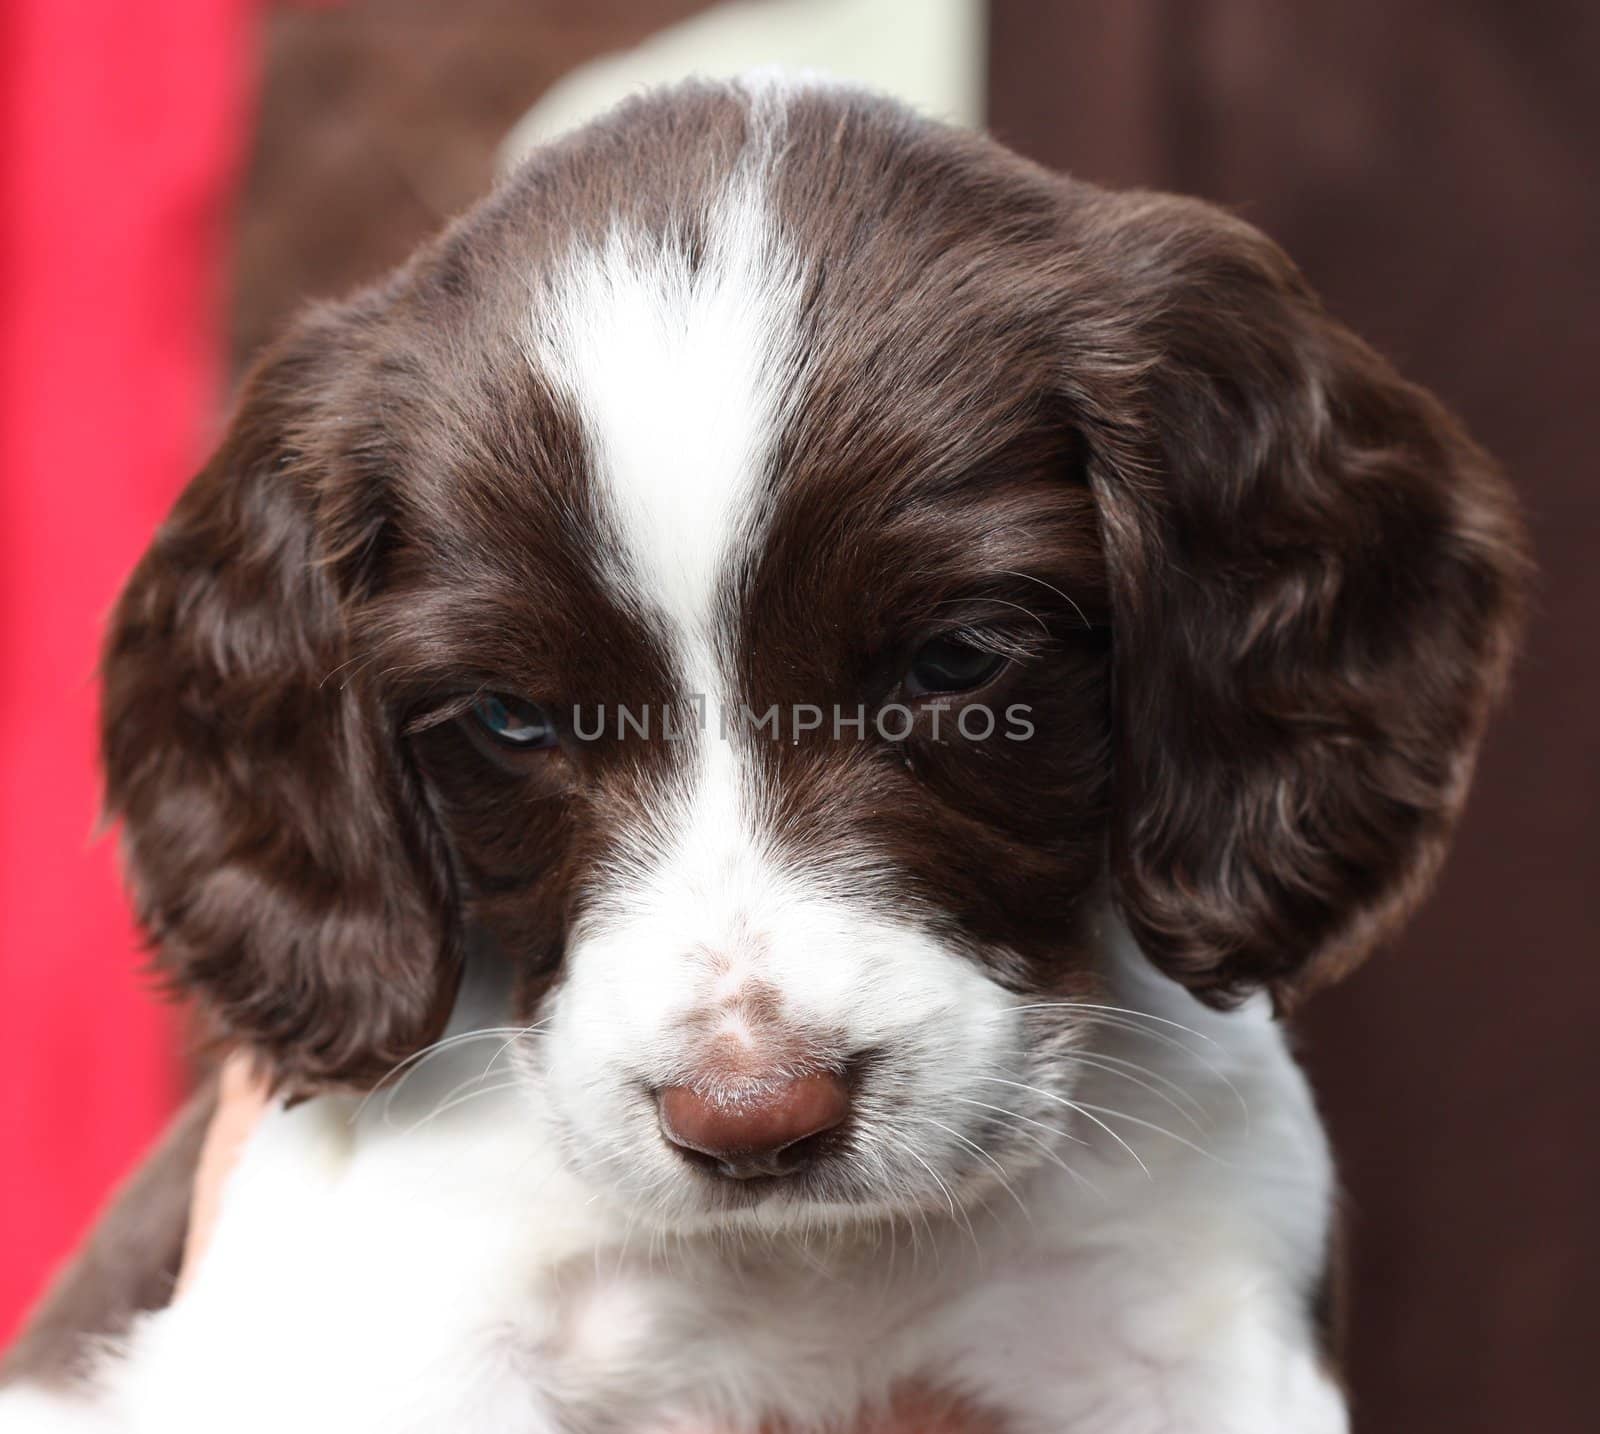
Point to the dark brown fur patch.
(1261, 591)
(1264, 592)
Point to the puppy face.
(772, 573)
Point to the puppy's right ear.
(280, 851)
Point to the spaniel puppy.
(861, 676)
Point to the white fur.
(712, 909)
(454, 1275)
(681, 376)
(1131, 1253)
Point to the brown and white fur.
(731, 403)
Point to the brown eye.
(950, 664)
(513, 722)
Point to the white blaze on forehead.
(679, 370)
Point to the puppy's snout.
(769, 1128)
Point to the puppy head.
(771, 573)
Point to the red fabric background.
(120, 138)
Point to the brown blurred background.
(1432, 167)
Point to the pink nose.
(767, 1130)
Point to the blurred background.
(176, 178)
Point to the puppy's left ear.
(1316, 583)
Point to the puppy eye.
(513, 722)
(948, 664)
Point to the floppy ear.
(1315, 587)
(278, 844)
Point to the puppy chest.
(637, 1341)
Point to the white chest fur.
(396, 1270)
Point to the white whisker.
(1128, 1011)
(1113, 1017)
(449, 1105)
(1030, 578)
(1151, 1125)
(1050, 1152)
(1097, 1063)
(1082, 1110)
(417, 1059)
(972, 1145)
(1017, 1115)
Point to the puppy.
(865, 674)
